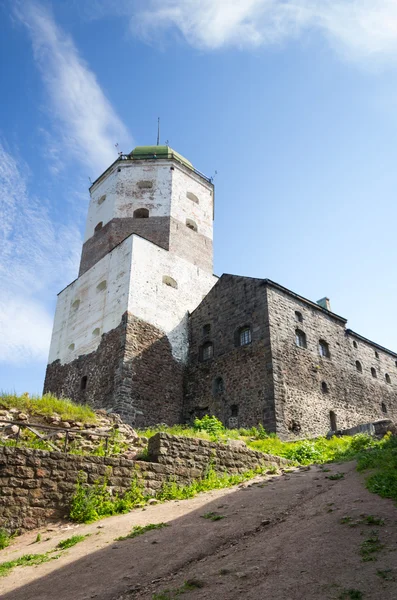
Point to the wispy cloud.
(358, 29)
(37, 257)
(86, 126)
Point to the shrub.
(5, 538)
(213, 426)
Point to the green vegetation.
(213, 516)
(72, 541)
(48, 405)
(370, 547)
(386, 574)
(364, 520)
(140, 530)
(188, 586)
(5, 538)
(351, 595)
(336, 476)
(27, 560)
(382, 460)
(38, 538)
(90, 503)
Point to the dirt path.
(280, 539)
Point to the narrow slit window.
(96, 331)
(76, 304)
(234, 410)
(332, 419)
(298, 316)
(376, 354)
(206, 351)
(218, 386)
(359, 366)
(373, 372)
(102, 199)
(206, 329)
(101, 286)
(387, 377)
(324, 387)
(354, 344)
(384, 407)
(83, 383)
(323, 349)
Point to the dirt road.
(279, 539)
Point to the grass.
(381, 460)
(365, 520)
(335, 477)
(213, 516)
(386, 574)
(48, 405)
(351, 594)
(5, 538)
(140, 530)
(188, 586)
(370, 547)
(27, 560)
(72, 541)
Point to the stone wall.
(303, 406)
(246, 371)
(36, 486)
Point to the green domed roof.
(145, 152)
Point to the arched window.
(206, 351)
(71, 346)
(298, 316)
(102, 199)
(387, 377)
(192, 197)
(300, 338)
(373, 372)
(83, 383)
(323, 349)
(376, 354)
(218, 386)
(384, 407)
(102, 286)
(76, 304)
(354, 344)
(234, 410)
(206, 329)
(324, 388)
(244, 336)
(358, 366)
(96, 331)
(141, 213)
(170, 281)
(332, 419)
(98, 227)
(191, 224)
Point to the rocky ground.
(315, 533)
(86, 438)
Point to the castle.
(147, 330)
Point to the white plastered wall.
(183, 208)
(98, 308)
(123, 194)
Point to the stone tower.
(120, 335)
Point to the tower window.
(96, 331)
(387, 377)
(145, 185)
(354, 344)
(218, 386)
(71, 346)
(83, 383)
(300, 338)
(323, 349)
(234, 410)
(298, 316)
(206, 329)
(373, 372)
(245, 337)
(384, 407)
(101, 286)
(141, 213)
(76, 304)
(167, 280)
(206, 351)
(358, 366)
(324, 388)
(99, 226)
(332, 419)
(191, 224)
(376, 354)
(192, 197)
(102, 199)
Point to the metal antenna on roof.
(213, 176)
(158, 131)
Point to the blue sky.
(293, 103)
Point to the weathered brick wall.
(247, 370)
(36, 486)
(302, 408)
(133, 372)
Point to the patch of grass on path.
(213, 516)
(382, 460)
(72, 541)
(370, 547)
(27, 560)
(188, 586)
(140, 530)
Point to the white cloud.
(38, 257)
(86, 125)
(358, 29)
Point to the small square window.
(245, 336)
(206, 329)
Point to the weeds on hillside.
(72, 541)
(5, 538)
(140, 530)
(188, 586)
(27, 560)
(213, 516)
(48, 405)
(382, 459)
(370, 547)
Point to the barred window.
(245, 336)
(207, 351)
(323, 349)
(300, 338)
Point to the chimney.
(324, 303)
